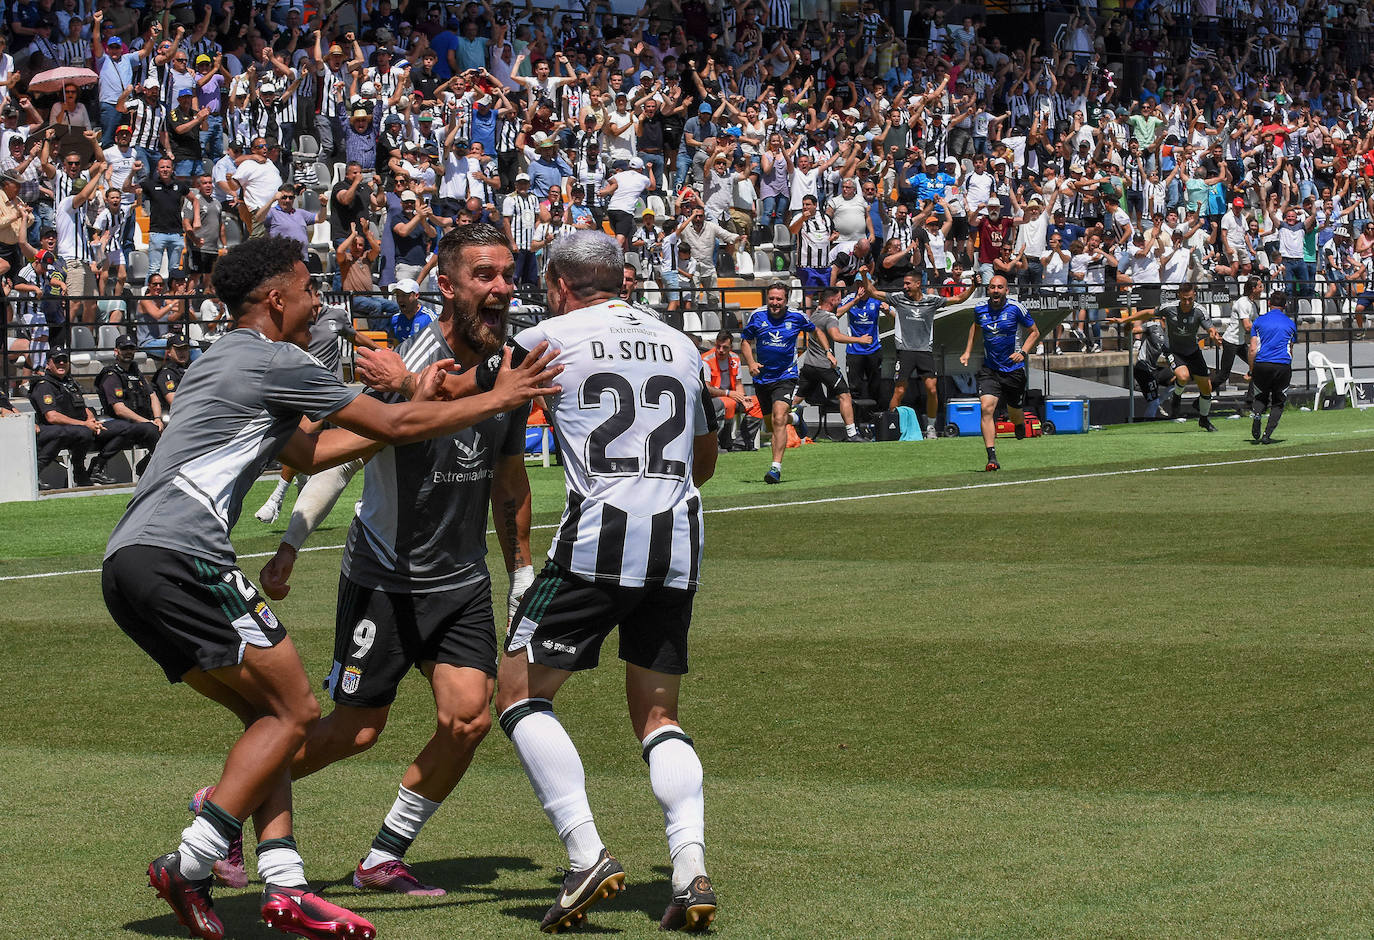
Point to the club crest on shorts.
(352, 675)
(269, 619)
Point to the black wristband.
(486, 372)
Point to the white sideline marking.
(862, 496)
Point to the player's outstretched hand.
(529, 380)
(429, 386)
(382, 369)
(963, 360)
(276, 574)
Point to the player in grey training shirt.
(170, 579)
(1182, 320)
(818, 366)
(915, 311)
(414, 592)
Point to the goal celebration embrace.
(634, 467)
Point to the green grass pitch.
(1066, 700)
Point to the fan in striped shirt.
(638, 433)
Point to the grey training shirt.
(236, 408)
(915, 320)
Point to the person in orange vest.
(727, 392)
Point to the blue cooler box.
(1067, 416)
(963, 416)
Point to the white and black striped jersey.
(522, 212)
(146, 122)
(868, 25)
(903, 230)
(779, 14)
(507, 131)
(633, 400)
(203, 46)
(333, 90)
(386, 82)
(813, 242)
(265, 121)
(75, 53)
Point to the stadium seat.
(339, 170)
(105, 340)
(310, 201)
(322, 177)
(782, 237)
(81, 339)
(307, 146)
(138, 266)
(1335, 374)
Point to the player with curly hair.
(171, 581)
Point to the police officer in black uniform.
(126, 397)
(65, 423)
(173, 368)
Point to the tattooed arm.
(510, 509)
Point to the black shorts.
(563, 619)
(186, 612)
(1010, 387)
(827, 379)
(203, 262)
(380, 635)
(915, 362)
(1193, 359)
(775, 391)
(622, 223)
(1271, 380)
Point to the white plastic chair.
(1335, 374)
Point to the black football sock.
(1275, 413)
(1020, 431)
(992, 454)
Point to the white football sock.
(201, 846)
(777, 465)
(281, 864)
(555, 770)
(279, 493)
(402, 824)
(1204, 405)
(675, 774)
(689, 862)
(851, 429)
(316, 499)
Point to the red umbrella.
(57, 79)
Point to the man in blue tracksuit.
(768, 346)
(1271, 364)
(1003, 375)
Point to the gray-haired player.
(638, 437)
(171, 581)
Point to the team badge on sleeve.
(352, 675)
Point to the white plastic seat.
(1335, 374)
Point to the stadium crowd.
(1137, 148)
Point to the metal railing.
(702, 313)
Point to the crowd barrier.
(1322, 320)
